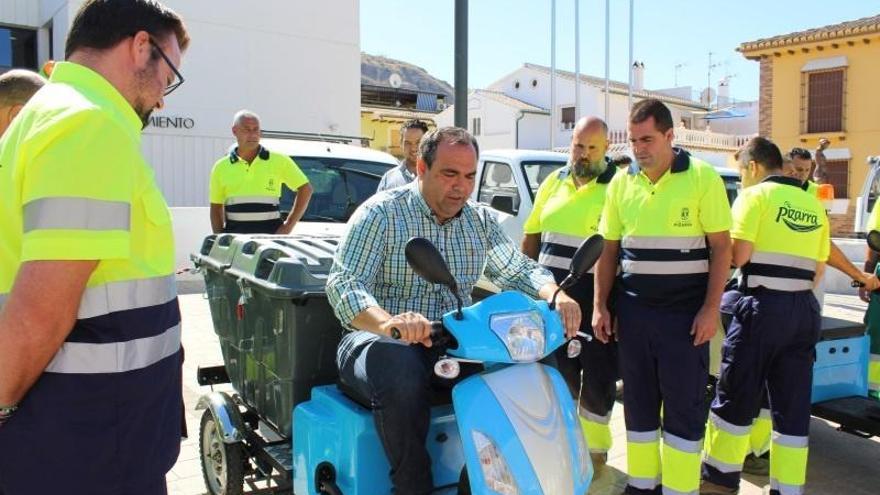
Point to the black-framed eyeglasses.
(178, 78)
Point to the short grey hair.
(451, 135)
(18, 85)
(243, 114)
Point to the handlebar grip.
(856, 283)
(436, 330)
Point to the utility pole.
(461, 63)
(678, 67)
(552, 74)
(629, 91)
(577, 62)
(607, 54)
(709, 81)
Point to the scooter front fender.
(528, 414)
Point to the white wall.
(20, 12)
(499, 124)
(533, 132)
(592, 99)
(297, 64)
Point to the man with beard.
(373, 290)
(90, 370)
(246, 184)
(567, 208)
(411, 133)
(665, 224)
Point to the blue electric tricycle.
(510, 429)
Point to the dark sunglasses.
(178, 78)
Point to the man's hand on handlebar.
(413, 328)
(570, 313)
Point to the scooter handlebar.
(439, 335)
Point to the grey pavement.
(839, 463)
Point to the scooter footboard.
(331, 430)
(519, 425)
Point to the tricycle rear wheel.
(222, 463)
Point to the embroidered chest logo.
(797, 219)
(684, 219)
(271, 186)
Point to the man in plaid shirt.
(372, 290)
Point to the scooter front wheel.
(222, 464)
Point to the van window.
(498, 188)
(873, 191)
(731, 186)
(537, 171)
(339, 187)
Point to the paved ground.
(839, 463)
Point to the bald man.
(567, 209)
(16, 88)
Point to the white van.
(508, 179)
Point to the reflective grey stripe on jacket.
(676, 243)
(785, 260)
(562, 239)
(665, 267)
(76, 214)
(264, 200)
(130, 294)
(778, 283)
(115, 357)
(253, 217)
(561, 262)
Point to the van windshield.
(537, 171)
(339, 187)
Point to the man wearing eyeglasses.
(90, 356)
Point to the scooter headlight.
(522, 333)
(495, 470)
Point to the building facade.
(296, 64)
(514, 112)
(823, 83)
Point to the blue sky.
(505, 34)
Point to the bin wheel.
(222, 464)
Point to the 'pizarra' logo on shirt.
(797, 219)
(685, 218)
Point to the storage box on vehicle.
(282, 339)
(841, 367)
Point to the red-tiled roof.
(864, 26)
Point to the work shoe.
(709, 488)
(758, 466)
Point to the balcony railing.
(691, 138)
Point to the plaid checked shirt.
(370, 267)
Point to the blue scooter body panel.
(334, 429)
(478, 403)
(477, 341)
